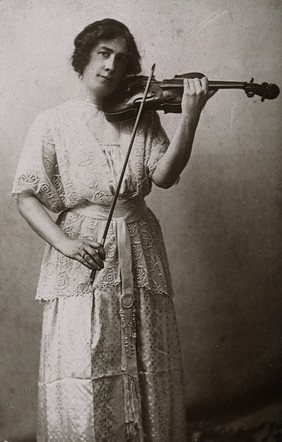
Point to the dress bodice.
(72, 155)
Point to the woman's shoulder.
(58, 108)
(49, 118)
(70, 105)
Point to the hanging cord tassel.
(93, 273)
(132, 408)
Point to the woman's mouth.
(106, 78)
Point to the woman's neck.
(89, 96)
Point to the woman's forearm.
(40, 221)
(178, 153)
(194, 98)
(87, 252)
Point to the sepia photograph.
(141, 221)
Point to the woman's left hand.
(195, 95)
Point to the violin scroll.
(267, 91)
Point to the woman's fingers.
(195, 95)
(195, 86)
(185, 86)
(93, 255)
(99, 248)
(198, 86)
(87, 261)
(93, 258)
(92, 262)
(205, 88)
(87, 252)
(204, 84)
(191, 86)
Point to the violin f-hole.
(149, 96)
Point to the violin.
(140, 93)
(166, 95)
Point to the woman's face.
(106, 67)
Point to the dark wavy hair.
(105, 29)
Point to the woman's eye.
(104, 54)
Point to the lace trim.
(63, 163)
(87, 288)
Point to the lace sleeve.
(157, 145)
(37, 170)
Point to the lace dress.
(110, 365)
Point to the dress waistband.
(130, 210)
(126, 211)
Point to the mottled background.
(222, 222)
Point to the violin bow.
(116, 194)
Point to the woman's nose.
(109, 63)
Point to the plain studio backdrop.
(221, 222)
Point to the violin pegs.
(250, 94)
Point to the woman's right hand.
(89, 253)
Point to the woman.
(110, 367)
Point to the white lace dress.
(110, 366)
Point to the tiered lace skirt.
(106, 377)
